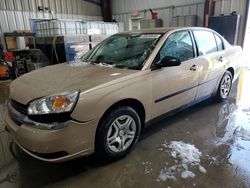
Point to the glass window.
(123, 50)
(219, 43)
(178, 45)
(205, 41)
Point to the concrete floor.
(220, 131)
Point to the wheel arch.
(133, 103)
(231, 70)
(130, 102)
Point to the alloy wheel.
(121, 133)
(225, 86)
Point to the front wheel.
(118, 133)
(225, 86)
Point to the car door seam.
(181, 91)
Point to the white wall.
(121, 10)
(16, 14)
(125, 6)
(167, 10)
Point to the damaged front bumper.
(72, 140)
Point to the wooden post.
(208, 11)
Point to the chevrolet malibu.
(102, 101)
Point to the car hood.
(63, 77)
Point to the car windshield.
(123, 50)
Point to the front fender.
(92, 105)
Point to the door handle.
(194, 68)
(220, 59)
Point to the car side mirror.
(168, 61)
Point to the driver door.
(175, 86)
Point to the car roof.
(162, 30)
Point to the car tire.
(118, 133)
(224, 87)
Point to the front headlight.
(54, 104)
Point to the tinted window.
(219, 43)
(205, 41)
(178, 45)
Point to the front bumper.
(72, 141)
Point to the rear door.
(211, 51)
(175, 86)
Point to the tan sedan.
(102, 101)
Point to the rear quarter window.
(219, 42)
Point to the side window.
(219, 42)
(205, 41)
(178, 45)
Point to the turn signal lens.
(61, 102)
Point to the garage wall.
(227, 6)
(168, 11)
(16, 14)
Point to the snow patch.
(202, 169)
(77, 63)
(105, 65)
(167, 174)
(185, 156)
(187, 174)
(147, 167)
(187, 153)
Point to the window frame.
(156, 58)
(223, 46)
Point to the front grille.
(16, 120)
(17, 111)
(23, 109)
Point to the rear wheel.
(225, 86)
(118, 133)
